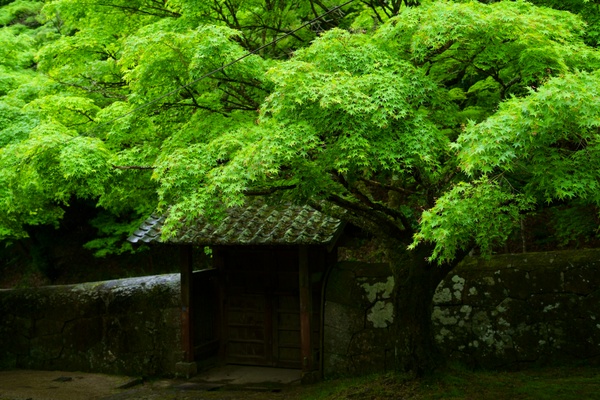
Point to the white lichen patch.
(381, 289)
(443, 316)
(381, 314)
(442, 296)
(551, 307)
(442, 335)
(489, 280)
(488, 337)
(467, 310)
(459, 285)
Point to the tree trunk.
(416, 280)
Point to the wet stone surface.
(61, 385)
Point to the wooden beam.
(187, 312)
(305, 310)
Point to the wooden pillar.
(187, 314)
(305, 310)
(218, 257)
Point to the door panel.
(206, 314)
(262, 320)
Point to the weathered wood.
(205, 306)
(305, 309)
(187, 312)
(218, 258)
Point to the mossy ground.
(560, 383)
(564, 383)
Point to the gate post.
(305, 314)
(188, 367)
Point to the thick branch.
(373, 206)
(375, 220)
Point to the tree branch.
(378, 220)
(388, 187)
(162, 11)
(373, 206)
(125, 167)
(267, 191)
(99, 85)
(437, 52)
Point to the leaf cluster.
(439, 124)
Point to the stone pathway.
(227, 383)
(50, 385)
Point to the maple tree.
(436, 128)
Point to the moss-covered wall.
(358, 316)
(509, 311)
(535, 308)
(129, 326)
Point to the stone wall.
(128, 326)
(505, 312)
(357, 320)
(509, 311)
(536, 308)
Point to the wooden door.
(205, 314)
(261, 308)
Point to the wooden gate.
(205, 316)
(261, 308)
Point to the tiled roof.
(257, 223)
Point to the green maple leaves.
(451, 118)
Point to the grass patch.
(564, 383)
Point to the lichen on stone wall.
(379, 290)
(381, 315)
(442, 296)
(358, 314)
(128, 326)
(458, 286)
(518, 309)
